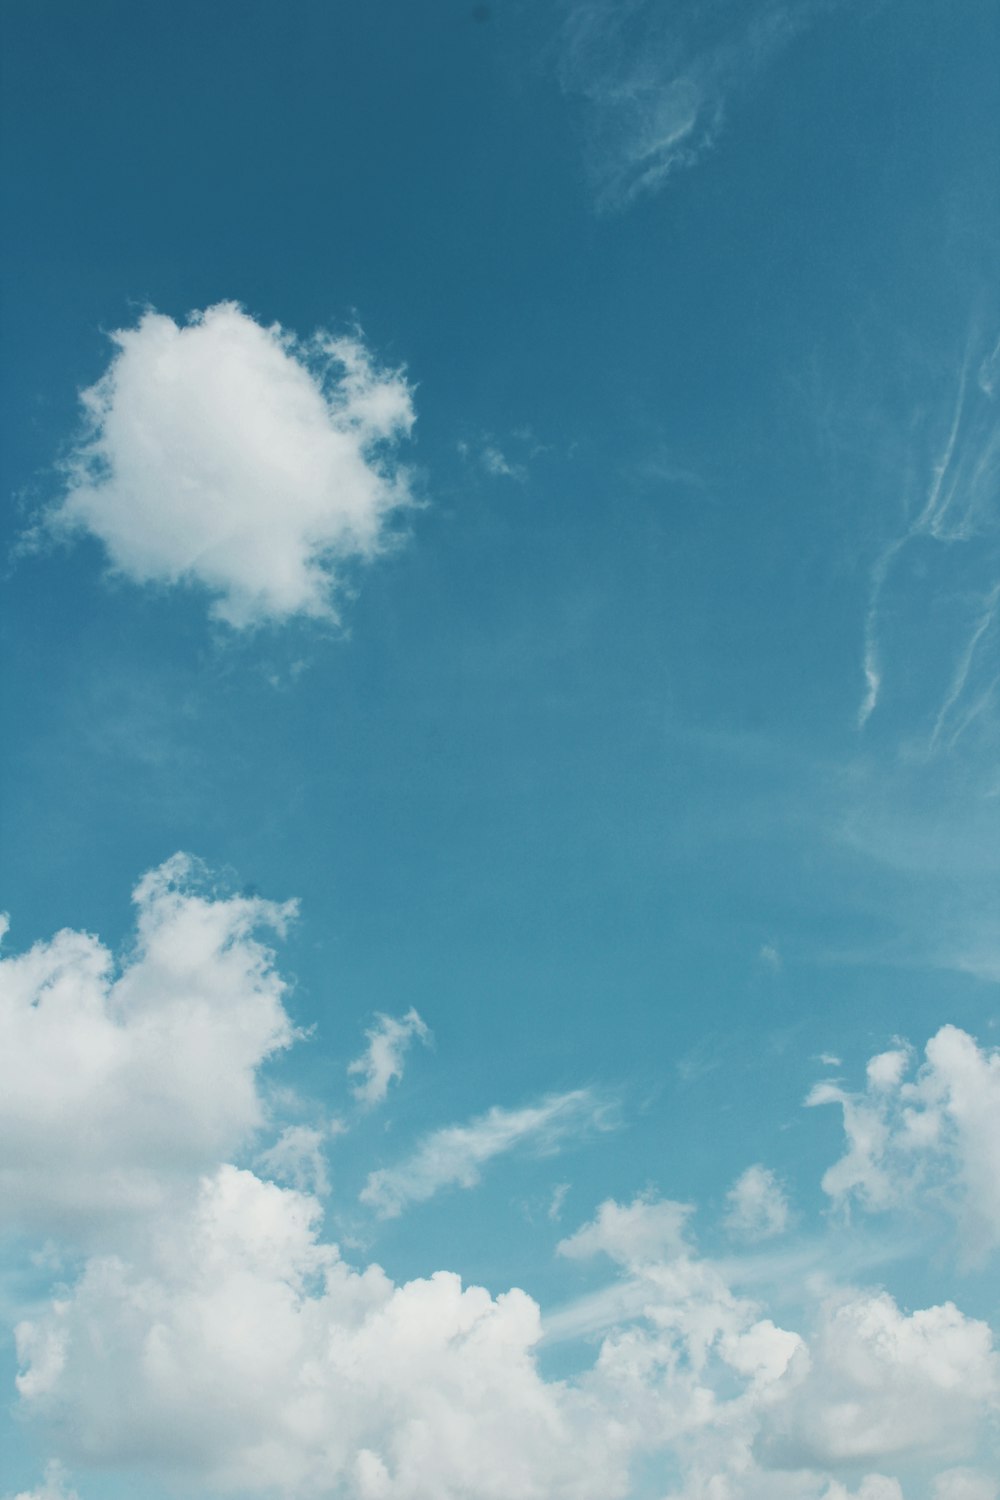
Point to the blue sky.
(536, 509)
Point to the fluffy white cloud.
(239, 458)
(644, 1232)
(883, 1384)
(455, 1155)
(116, 1079)
(935, 1138)
(233, 1346)
(215, 1336)
(758, 1208)
(242, 1350)
(381, 1063)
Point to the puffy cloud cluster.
(235, 1347)
(240, 1348)
(214, 1335)
(118, 1080)
(883, 1385)
(933, 1139)
(234, 456)
(751, 1409)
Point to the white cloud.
(236, 457)
(956, 503)
(933, 1141)
(455, 1155)
(241, 1350)
(232, 1345)
(499, 466)
(658, 80)
(297, 1158)
(382, 1061)
(965, 1484)
(116, 1080)
(218, 1339)
(886, 1385)
(758, 1208)
(646, 1231)
(53, 1486)
(872, 1487)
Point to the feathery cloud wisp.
(455, 1155)
(658, 79)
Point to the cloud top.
(117, 1080)
(241, 459)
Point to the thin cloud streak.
(961, 476)
(455, 1155)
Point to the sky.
(500, 793)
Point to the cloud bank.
(241, 459)
(207, 1331)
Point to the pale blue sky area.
(658, 760)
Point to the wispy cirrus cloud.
(456, 1155)
(658, 80)
(957, 503)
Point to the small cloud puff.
(382, 1061)
(758, 1208)
(239, 458)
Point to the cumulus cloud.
(241, 1348)
(234, 1346)
(758, 1208)
(657, 80)
(455, 1155)
(646, 1231)
(239, 458)
(117, 1078)
(217, 1338)
(381, 1063)
(886, 1385)
(932, 1140)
